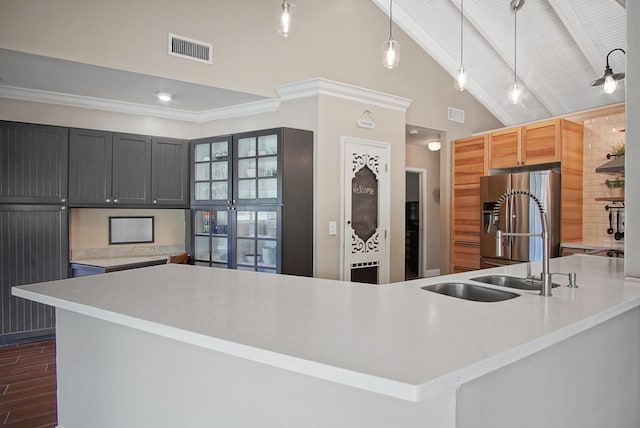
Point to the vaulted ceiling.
(562, 46)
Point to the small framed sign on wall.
(131, 230)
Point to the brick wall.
(600, 135)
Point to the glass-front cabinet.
(244, 186)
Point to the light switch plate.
(333, 228)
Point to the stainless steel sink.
(511, 282)
(467, 291)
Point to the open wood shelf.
(612, 199)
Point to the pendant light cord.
(515, 45)
(390, 19)
(461, 32)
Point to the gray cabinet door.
(33, 163)
(169, 172)
(34, 247)
(89, 166)
(131, 169)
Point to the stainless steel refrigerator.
(519, 214)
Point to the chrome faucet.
(545, 276)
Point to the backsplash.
(89, 233)
(600, 135)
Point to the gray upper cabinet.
(113, 169)
(90, 154)
(131, 169)
(169, 172)
(33, 163)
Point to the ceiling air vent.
(455, 115)
(187, 48)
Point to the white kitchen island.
(185, 346)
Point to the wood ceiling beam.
(532, 80)
(576, 29)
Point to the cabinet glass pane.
(267, 224)
(203, 171)
(268, 166)
(203, 191)
(268, 254)
(219, 249)
(246, 168)
(246, 147)
(220, 150)
(268, 145)
(219, 171)
(246, 189)
(246, 223)
(202, 222)
(202, 248)
(246, 252)
(267, 188)
(203, 152)
(214, 222)
(220, 190)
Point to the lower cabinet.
(34, 248)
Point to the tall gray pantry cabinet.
(252, 201)
(33, 222)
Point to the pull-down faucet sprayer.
(545, 276)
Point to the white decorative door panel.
(365, 214)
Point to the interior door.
(366, 211)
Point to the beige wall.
(335, 39)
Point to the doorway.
(415, 223)
(365, 211)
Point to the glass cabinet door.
(211, 237)
(211, 171)
(256, 240)
(257, 168)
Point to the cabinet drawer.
(465, 254)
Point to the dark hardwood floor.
(28, 385)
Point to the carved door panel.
(366, 212)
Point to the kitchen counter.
(393, 340)
(593, 245)
(93, 266)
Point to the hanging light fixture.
(286, 18)
(461, 78)
(390, 48)
(515, 90)
(610, 79)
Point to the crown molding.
(24, 94)
(319, 86)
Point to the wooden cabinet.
(252, 201)
(33, 163)
(469, 163)
(504, 148)
(113, 169)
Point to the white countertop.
(596, 245)
(394, 339)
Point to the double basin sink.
(478, 293)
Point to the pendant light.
(390, 48)
(610, 79)
(286, 18)
(515, 90)
(461, 77)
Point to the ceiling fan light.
(286, 19)
(515, 93)
(390, 54)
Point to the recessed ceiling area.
(56, 76)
